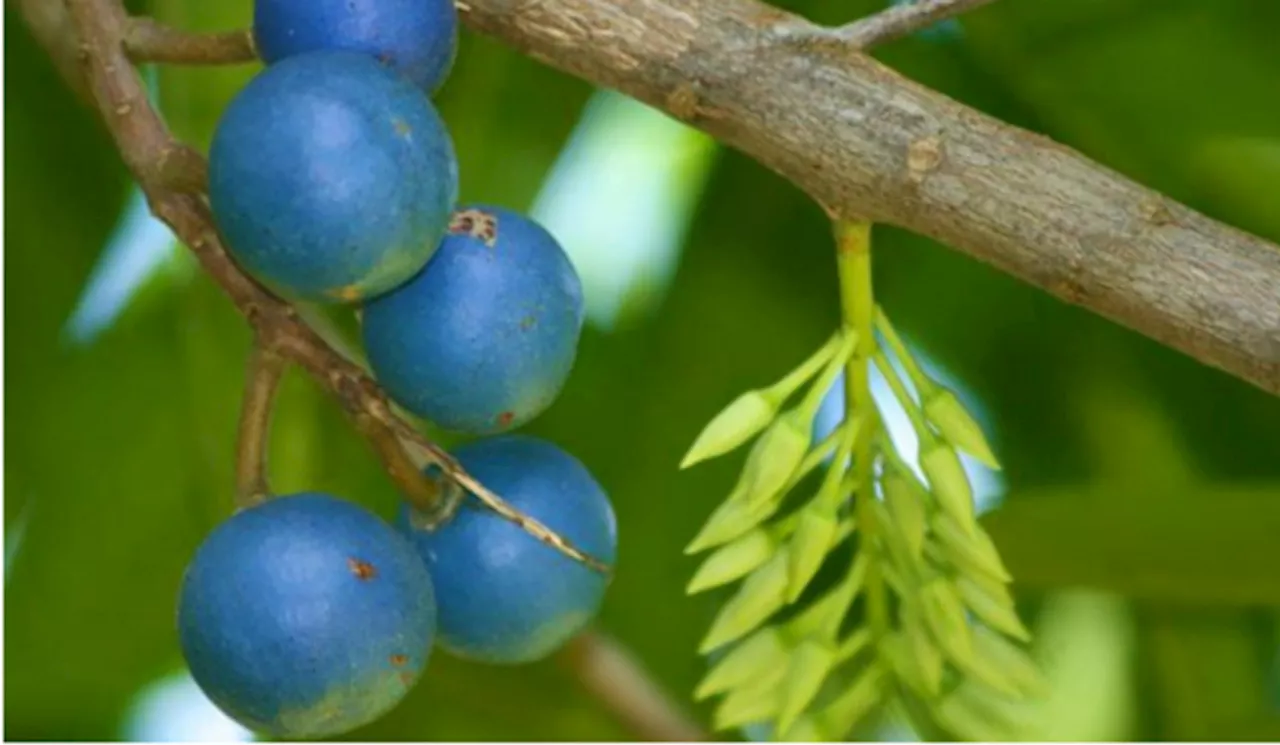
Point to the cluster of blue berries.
(333, 179)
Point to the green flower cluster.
(938, 633)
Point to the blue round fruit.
(483, 339)
(331, 177)
(504, 596)
(306, 616)
(419, 38)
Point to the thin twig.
(615, 678)
(262, 380)
(902, 20)
(860, 36)
(147, 40)
(454, 471)
(150, 152)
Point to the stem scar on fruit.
(363, 570)
(477, 224)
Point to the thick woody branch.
(864, 141)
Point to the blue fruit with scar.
(483, 339)
(504, 596)
(306, 616)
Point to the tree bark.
(864, 141)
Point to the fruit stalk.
(145, 40)
(262, 380)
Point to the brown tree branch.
(864, 141)
(262, 380)
(150, 153)
(609, 672)
(147, 40)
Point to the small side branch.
(880, 28)
(147, 40)
(901, 21)
(167, 172)
(614, 677)
(454, 472)
(265, 369)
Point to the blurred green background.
(1140, 506)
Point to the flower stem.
(924, 385)
(907, 403)
(853, 260)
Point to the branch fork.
(888, 25)
(173, 177)
(864, 142)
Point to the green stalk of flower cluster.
(853, 260)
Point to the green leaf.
(958, 426)
(949, 483)
(944, 613)
(814, 538)
(897, 648)
(758, 702)
(776, 457)
(754, 410)
(824, 615)
(968, 551)
(809, 666)
(805, 729)
(735, 424)
(762, 594)
(839, 717)
(925, 654)
(993, 604)
(733, 560)
(907, 509)
(964, 717)
(755, 656)
(733, 518)
(1012, 662)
